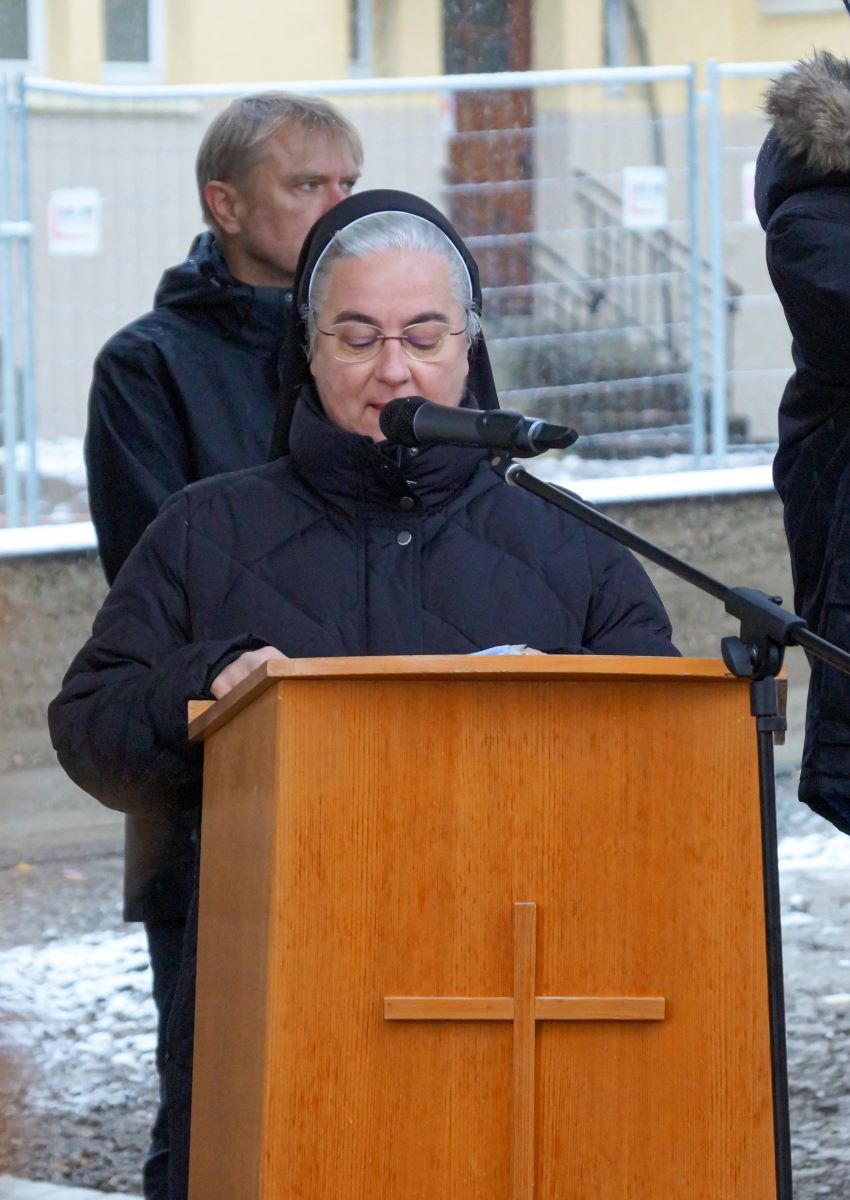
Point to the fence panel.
(18, 472)
(749, 373)
(577, 191)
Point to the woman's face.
(390, 290)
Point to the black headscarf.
(294, 368)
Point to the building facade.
(207, 41)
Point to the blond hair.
(234, 142)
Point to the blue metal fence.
(621, 323)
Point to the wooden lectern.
(482, 928)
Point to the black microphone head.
(396, 420)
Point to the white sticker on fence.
(73, 221)
(644, 197)
(748, 193)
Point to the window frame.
(793, 8)
(363, 66)
(153, 69)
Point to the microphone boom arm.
(766, 627)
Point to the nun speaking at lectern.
(343, 544)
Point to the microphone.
(414, 422)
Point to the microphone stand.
(755, 654)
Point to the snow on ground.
(62, 483)
(81, 1007)
(59, 458)
(815, 852)
(575, 467)
(85, 999)
(62, 458)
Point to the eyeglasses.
(355, 341)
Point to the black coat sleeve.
(119, 724)
(137, 451)
(626, 615)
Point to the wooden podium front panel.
(406, 827)
(229, 1070)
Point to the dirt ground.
(77, 1091)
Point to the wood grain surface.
(365, 840)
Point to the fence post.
(26, 307)
(7, 319)
(718, 281)
(695, 272)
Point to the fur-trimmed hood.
(810, 108)
(809, 143)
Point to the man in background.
(189, 390)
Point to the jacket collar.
(203, 282)
(355, 472)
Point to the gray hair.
(376, 233)
(235, 141)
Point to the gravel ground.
(76, 1045)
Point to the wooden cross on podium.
(525, 1009)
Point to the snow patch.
(73, 1010)
(57, 458)
(815, 852)
(796, 918)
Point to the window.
(127, 31)
(360, 37)
(20, 30)
(477, 36)
(614, 34)
(14, 30)
(133, 40)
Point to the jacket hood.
(203, 284)
(202, 280)
(294, 367)
(809, 143)
(810, 107)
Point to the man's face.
(299, 177)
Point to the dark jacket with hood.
(342, 547)
(803, 203)
(186, 391)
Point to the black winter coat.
(344, 548)
(186, 391)
(803, 202)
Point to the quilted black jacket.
(344, 548)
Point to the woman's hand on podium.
(241, 668)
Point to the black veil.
(293, 366)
